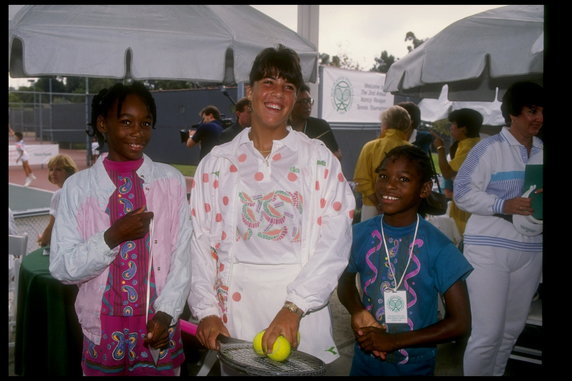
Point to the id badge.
(395, 303)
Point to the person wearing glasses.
(316, 128)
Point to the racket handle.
(188, 327)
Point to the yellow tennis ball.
(280, 350)
(257, 343)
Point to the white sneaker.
(28, 181)
(33, 176)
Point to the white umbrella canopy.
(215, 43)
(433, 110)
(475, 56)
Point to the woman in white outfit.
(272, 214)
(507, 263)
(24, 157)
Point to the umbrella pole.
(87, 140)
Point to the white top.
(324, 222)
(54, 202)
(269, 224)
(492, 173)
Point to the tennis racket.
(240, 356)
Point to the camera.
(184, 135)
(226, 122)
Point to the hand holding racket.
(209, 329)
(157, 330)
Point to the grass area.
(186, 170)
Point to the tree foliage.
(383, 63)
(341, 61)
(77, 85)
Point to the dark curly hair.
(106, 98)
(519, 95)
(421, 160)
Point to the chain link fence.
(32, 223)
(59, 118)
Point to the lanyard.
(408, 259)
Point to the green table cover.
(48, 335)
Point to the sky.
(362, 32)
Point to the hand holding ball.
(280, 350)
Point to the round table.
(48, 335)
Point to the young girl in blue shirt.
(404, 263)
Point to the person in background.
(316, 128)
(508, 264)
(271, 213)
(207, 132)
(60, 167)
(122, 235)
(404, 263)
(465, 128)
(421, 139)
(395, 131)
(23, 156)
(95, 151)
(242, 112)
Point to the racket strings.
(243, 358)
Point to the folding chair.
(18, 248)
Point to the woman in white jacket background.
(507, 263)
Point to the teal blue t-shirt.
(435, 266)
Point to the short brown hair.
(414, 112)
(212, 110)
(241, 104)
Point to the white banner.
(353, 96)
(38, 154)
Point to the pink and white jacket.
(79, 254)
